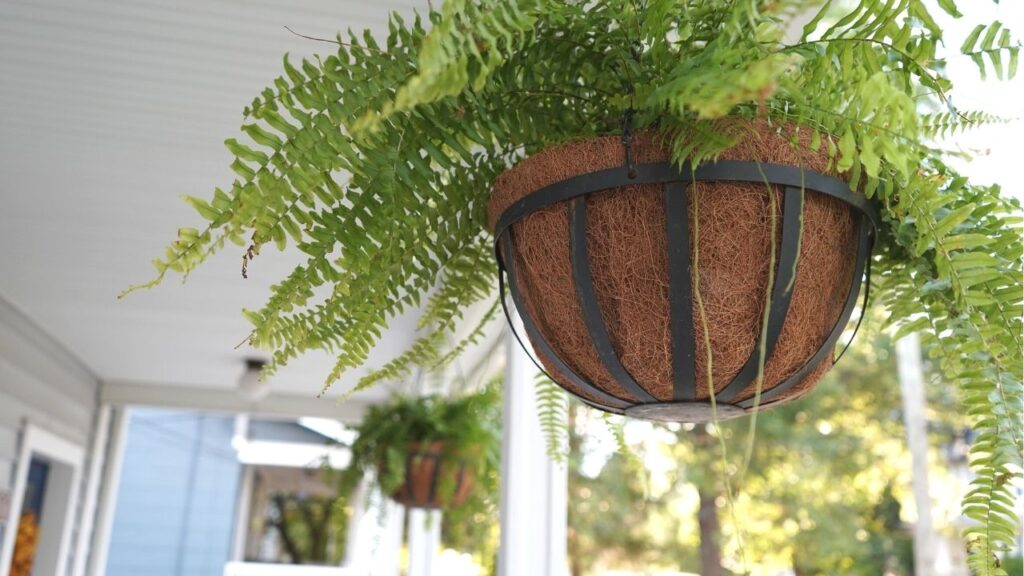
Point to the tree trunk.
(710, 534)
(291, 548)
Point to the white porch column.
(94, 480)
(243, 501)
(385, 561)
(375, 533)
(424, 540)
(243, 505)
(108, 495)
(356, 522)
(534, 490)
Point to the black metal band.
(680, 291)
(663, 172)
(407, 487)
(460, 477)
(589, 306)
(782, 291)
(535, 335)
(602, 407)
(435, 479)
(864, 243)
(864, 304)
(407, 495)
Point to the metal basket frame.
(675, 181)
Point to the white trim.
(36, 441)
(241, 434)
(330, 428)
(292, 454)
(534, 490)
(56, 353)
(375, 532)
(386, 558)
(107, 503)
(912, 393)
(258, 569)
(357, 523)
(228, 400)
(557, 508)
(97, 454)
(243, 507)
(424, 534)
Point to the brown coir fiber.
(628, 260)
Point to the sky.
(999, 156)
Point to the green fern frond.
(992, 41)
(470, 339)
(468, 42)
(943, 124)
(553, 412)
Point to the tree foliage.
(376, 162)
(823, 493)
(312, 528)
(608, 521)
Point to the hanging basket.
(604, 256)
(434, 479)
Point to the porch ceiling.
(111, 109)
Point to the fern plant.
(552, 411)
(468, 428)
(376, 161)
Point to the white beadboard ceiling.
(109, 111)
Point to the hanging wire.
(627, 140)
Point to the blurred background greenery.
(824, 489)
(827, 489)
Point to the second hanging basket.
(434, 479)
(639, 282)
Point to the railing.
(260, 569)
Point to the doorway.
(42, 506)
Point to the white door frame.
(62, 497)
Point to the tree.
(312, 528)
(608, 512)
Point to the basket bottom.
(683, 412)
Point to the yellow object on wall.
(25, 545)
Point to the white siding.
(40, 383)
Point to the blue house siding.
(176, 501)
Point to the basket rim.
(748, 171)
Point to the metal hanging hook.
(627, 141)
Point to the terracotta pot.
(428, 471)
(605, 257)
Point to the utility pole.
(911, 376)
